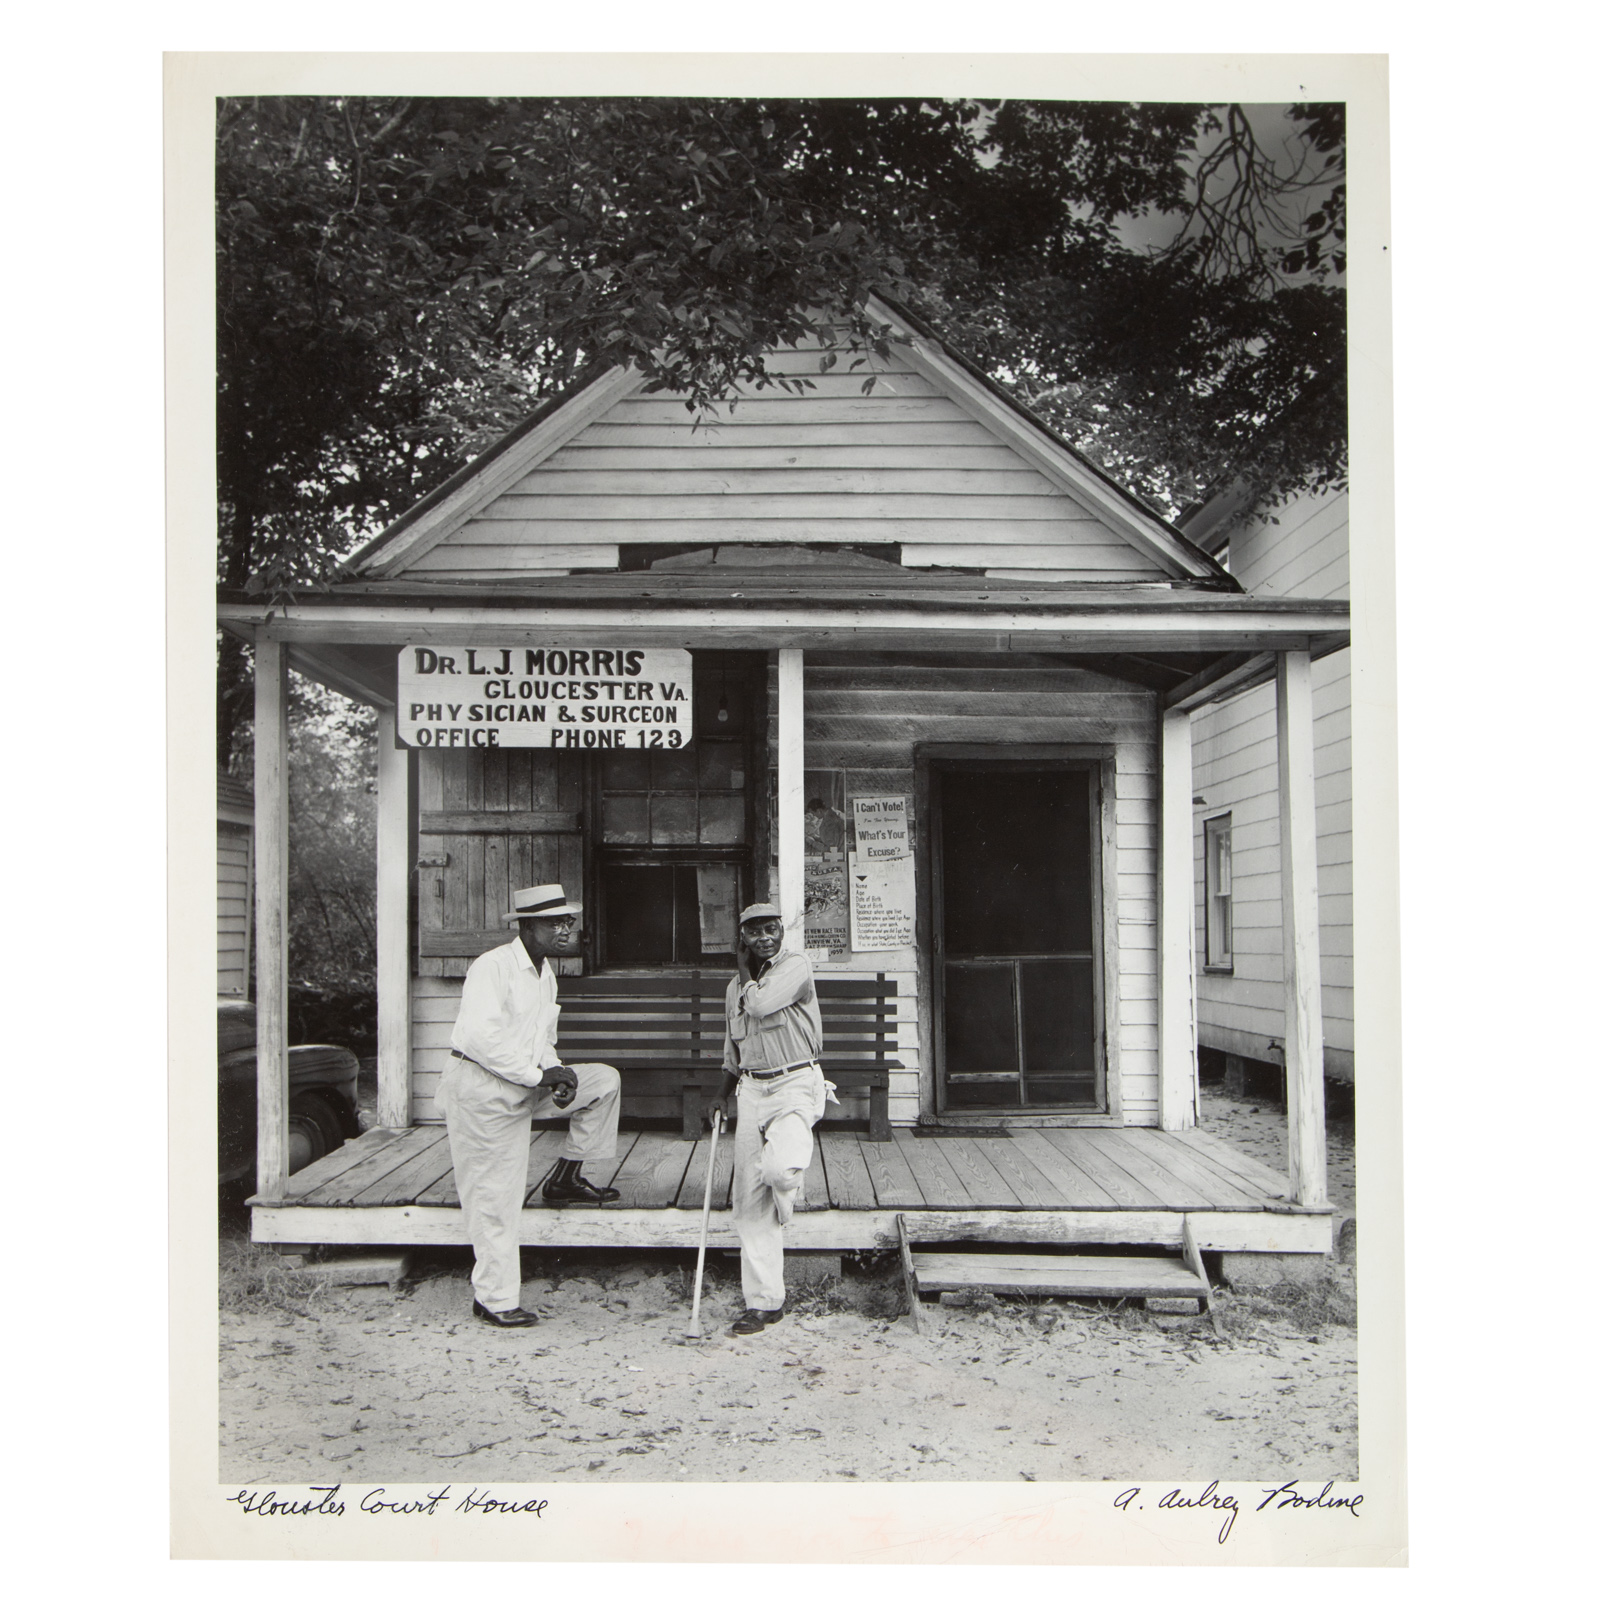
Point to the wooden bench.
(666, 1034)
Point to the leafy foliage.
(332, 837)
(400, 280)
(332, 850)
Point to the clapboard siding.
(233, 911)
(1305, 553)
(495, 560)
(865, 715)
(903, 464)
(1097, 560)
(1236, 771)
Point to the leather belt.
(459, 1057)
(779, 1072)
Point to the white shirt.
(508, 1015)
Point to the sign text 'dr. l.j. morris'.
(489, 696)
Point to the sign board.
(487, 696)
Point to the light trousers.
(489, 1124)
(772, 1147)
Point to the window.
(673, 865)
(1219, 893)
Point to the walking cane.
(705, 1227)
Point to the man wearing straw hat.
(770, 1059)
(503, 1074)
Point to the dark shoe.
(516, 1317)
(576, 1190)
(753, 1321)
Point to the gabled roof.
(501, 517)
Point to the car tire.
(314, 1130)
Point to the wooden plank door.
(1015, 934)
(490, 821)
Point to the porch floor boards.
(1038, 1169)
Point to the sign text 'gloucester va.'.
(490, 696)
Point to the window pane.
(1219, 892)
(627, 819)
(721, 819)
(673, 819)
(673, 769)
(625, 769)
(721, 766)
(638, 915)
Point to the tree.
(400, 280)
(333, 782)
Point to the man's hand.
(562, 1082)
(718, 1107)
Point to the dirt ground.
(406, 1387)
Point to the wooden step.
(1088, 1277)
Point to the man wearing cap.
(770, 1059)
(504, 1073)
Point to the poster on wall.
(827, 830)
(487, 696)
(882, 831)
(883, 901)
(827, 905)
(883, 892)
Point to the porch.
(1068, 1186)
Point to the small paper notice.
(882, 903)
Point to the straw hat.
(543, 900)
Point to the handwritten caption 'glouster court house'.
(487, 697)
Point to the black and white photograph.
(788, 874)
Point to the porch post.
(272, 918)
(1302, 955)
(394, 944)
(792, 793)
(1177, 1043)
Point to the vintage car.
(322, 1096)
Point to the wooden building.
(897, 649)
(1301, 549)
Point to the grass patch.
(251, 1277)
(1306, 1307)
(818, 1298)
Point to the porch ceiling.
(1160, 637)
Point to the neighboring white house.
(1301, 550)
